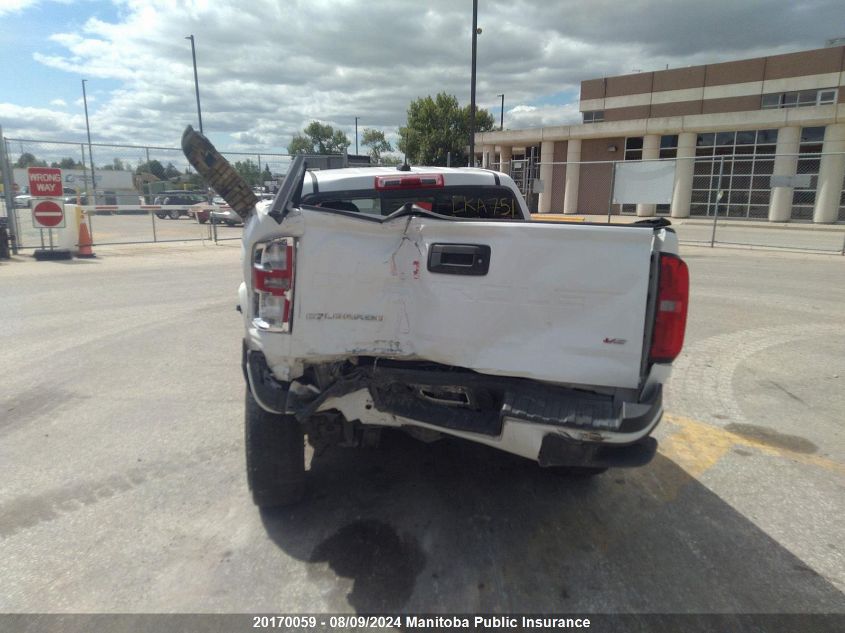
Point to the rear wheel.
(174, 214)
(275, 456)
(161, 216)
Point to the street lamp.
(502, 115)
(90, 155)
(472, 84)
(356, 135)
(196, 80)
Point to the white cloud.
(523, 116)
(15, 6)
(267, 68)
(59, 103)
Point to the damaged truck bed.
(426, 299)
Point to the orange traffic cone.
(85, 241)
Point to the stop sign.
(48, 214)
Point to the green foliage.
(117, 165)
(318, 138)
(374, 139)
(67, 163)
(171, 173)
(438, 126)
(152, 167)
(28, 160)
(249, 171)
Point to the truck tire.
(275, 456)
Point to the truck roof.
(354, 178)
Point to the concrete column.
(651, 151)
(547, 170)
(684, 170)
(573, 175)
(786, 161)
(831, 174)
(505, 159)
(487, 156)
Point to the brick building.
(759, 122)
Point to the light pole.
(90, 155)
(196, 80)
(472, 85)
(356, 135)
(502, 115)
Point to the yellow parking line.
(696, 447)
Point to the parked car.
(180, 200)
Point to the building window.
(634, 148)
(746, 161)
(669, 146)
(798, 98)
(594, 116)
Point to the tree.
(28, 160)
(117, 165)
(249, 171)
(67, 163)
(438, 126)
(170, 172)
(374, 139)
(319, 138)
(152, 167)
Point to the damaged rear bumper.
(553, 425)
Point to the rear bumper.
(554, 426)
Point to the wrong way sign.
(48, 214)
(45, 182)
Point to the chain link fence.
(755, 198)
(794, 201)
(129, 178)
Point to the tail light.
(670, 320)
(417, 181)
(272, 284)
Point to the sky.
(268, 67)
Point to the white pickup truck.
(426, 299)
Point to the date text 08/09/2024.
(408, 621)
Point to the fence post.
(8, 192)
(719, 193)
(612, 186)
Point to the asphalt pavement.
(122, 485)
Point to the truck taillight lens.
(272, 284)
(670, 321)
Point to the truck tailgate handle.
(459, 259)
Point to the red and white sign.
(48, 214)
(45, 182)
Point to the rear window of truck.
(481, 202)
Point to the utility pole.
(90, 155)
(472, 84)
(356, 135)
(196, 79)
(502, 115)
